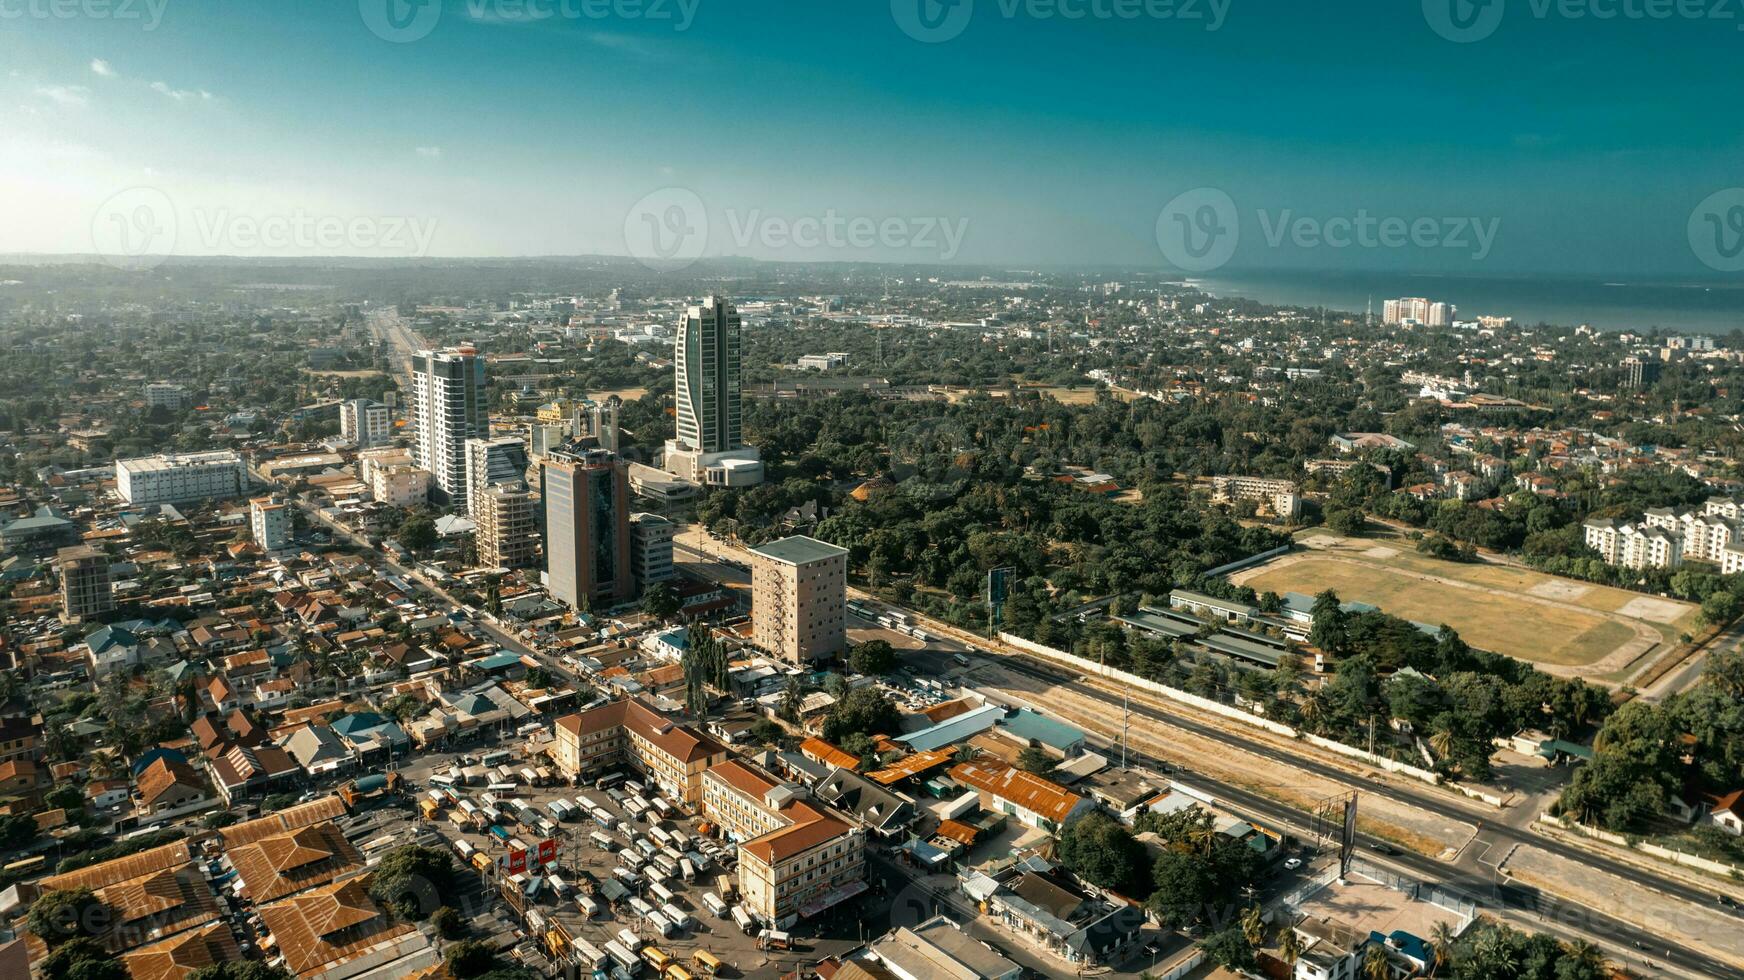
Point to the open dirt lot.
(1569, 628)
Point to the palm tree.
(1441, 942)
(1590, 959)
(1375, 963)
(792, 699)
(1253, 925)
(1441, 742)
(1290, 949)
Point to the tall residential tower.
(448, 408)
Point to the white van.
(713, 903)
(680, 918)
(661, 924)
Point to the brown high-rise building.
(799, 599)
(587, 526)
(86, 592)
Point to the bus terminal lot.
(583, 865)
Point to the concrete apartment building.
(493, 461)
(1633, 546)
(86, 590)
(163, 394)
(1282, 497)
(365, 422)
(587, 527)
(650, 549)
(799, 599)
(175, 478)
(507, 533)
(269, 518)
(400, 485)
(448, 408)
(628, 732)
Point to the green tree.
(1099, 849)
(873, 658)
(411, 880)
(60, 916)
(1229, 949)
(867, 710)
(82, 958)
(1035, 760)
(241, 970)
(659, 602)
(470, 958)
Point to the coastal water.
(1715, 307)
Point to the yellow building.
(630, 733)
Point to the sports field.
(1571, 628)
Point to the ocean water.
(1715, 307)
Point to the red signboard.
(517, 862)
(547, 852)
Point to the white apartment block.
(1282, 496)
(365, 422)
(1633, 546)
(270, 520)
(493, 461)
(799, 599)
(162, 394)
(172, 478)
(447, 408)
(400, 485)
(1705, 533)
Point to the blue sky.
(1584, 143)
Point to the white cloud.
(66, 96)
(101, 67)
(430, 152)
(181, 94)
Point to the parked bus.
(608, 781)
(600, 841)
(661, 924)
(680, 918)
(743, 918)
(775, 939)
(623, 957)
(687, 869)
(656, 957)
(590, 955)
(707, 962)
(589, 906)
(629, 940)
(660, 892)
(441, 781)
(493, 759)
(713, 903)
(528, 776)
(500, 790)
(677, 972)
(605, 820)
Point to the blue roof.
(678, 638)
(147, 758)
(1405, 943)
(1038, 727)
(496, 661)
(954, 730)
(361, 721)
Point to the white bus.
(624, 958)
(680, 918)
(592, 955)
(743, 918)
(661, 923)
(660, 892)
(713, 903)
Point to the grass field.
(1585, 629)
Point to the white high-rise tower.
(448, 408)
(709, 447)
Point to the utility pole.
(1125, 721)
